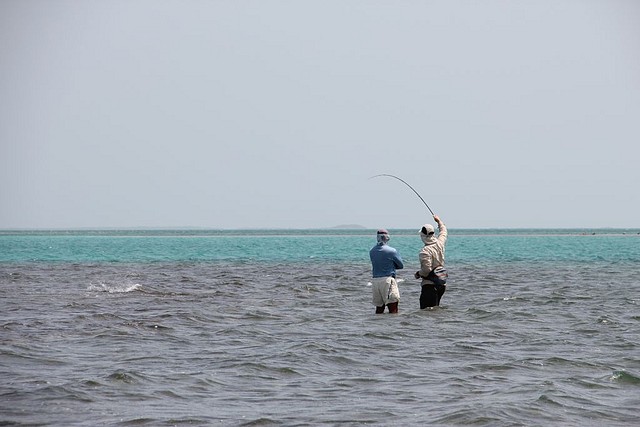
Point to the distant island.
(350, 227)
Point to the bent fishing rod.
(407, 184)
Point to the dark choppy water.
(173, 340)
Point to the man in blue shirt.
(384, 261)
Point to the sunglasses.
(424, 231)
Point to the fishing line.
(407, 184)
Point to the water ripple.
(264, 344)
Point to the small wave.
(605, 321)
(91, 383)
(262, 421)
(145, 421)
(548, 400)
(625, 377)
(114, 289)
(125, 377)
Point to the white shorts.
(385, 291)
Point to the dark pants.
(393, 308)
(431, 294)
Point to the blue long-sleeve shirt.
(384, 261)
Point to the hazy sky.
(251, 114)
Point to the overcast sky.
(272, 114)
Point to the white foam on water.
(114, 288)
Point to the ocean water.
(275, 327)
